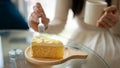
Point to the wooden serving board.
(69, 54)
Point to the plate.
(68, 54)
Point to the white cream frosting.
(45, 41)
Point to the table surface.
(20, 40)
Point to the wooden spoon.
(69, 54)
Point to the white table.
(21, 39)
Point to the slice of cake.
(42, 47)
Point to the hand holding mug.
(109, 18)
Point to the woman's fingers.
(106, 23)
(33, 23)
(34, 26)
(35, 15)
(39, 7)
(112, 11)
(39, 11)
(109, 18)
(103, 24)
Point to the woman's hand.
(37, 13)
(109, 18)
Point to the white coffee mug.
(93, 11)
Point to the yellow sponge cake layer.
(47, 48)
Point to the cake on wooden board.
(42, 47)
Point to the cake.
(42, 47)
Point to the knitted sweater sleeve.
(60, 18)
